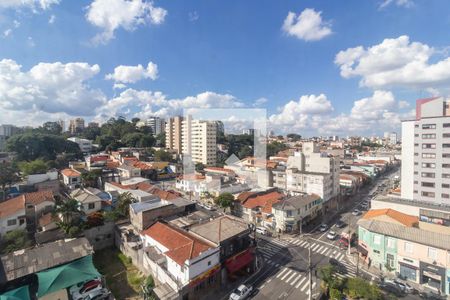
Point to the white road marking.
(292, 276)
(282, 272)
(298, 284)
(324, 250)
(285, 275)
(296, 279)
(304, 286)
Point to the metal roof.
(412, 234)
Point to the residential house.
(186, 264)
(128, 171)
(23, 211)
(88, 199)
(256, 208)
(291, 213)
(71, 178)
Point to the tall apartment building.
(157, 124)
(200, 140)
(76, 125)
(174, 134)
(426, 153)
(8, 130)
(393, 138)
(310, 172)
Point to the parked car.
(84, 285)
(86, 289)
(431, 295)
(323, 227)
(343, 241)
(340, 224)
(98, 295)
(261, 230)
(331, 235)
(356, 212)
(405, 287)
(241, 293)
(392, 288)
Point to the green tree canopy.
(294, 137)
(161, 155)
(37, 166)
(8, 176)
(225, 200)
(123, 204)
(14, 240)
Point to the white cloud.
(49, 88)
(119, 86)
(132, 74)
(394, 63)
(193, 16)
(110, 15)
(34, 5)
(403, 3)
(296, 112)
(7, 32)
(308, 25)
(52, 19)
(260, 101)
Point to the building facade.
(76, 125)
(199, 140)
(174, 134)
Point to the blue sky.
(278, 55)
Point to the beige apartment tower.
(200, 140)
(174, 134)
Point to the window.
(408, 247)
(428, 194)
(209, 263)
(445, 175)
(416, 145)
(429, 165)
(445, 145)
(91, 205)
(390, 260)
(446, 185)
(390, 243)
(446, 135)
(446, 125)
(429, 126)
(429, 146)
(428, 184)
(432, 253)
(21, 221)
(428, 136)
(415, 192)
(446, 166)
(445, 196)
(428, 155)
(416, 182)
(445, 155)
(12, 222)
(416, 154)
(376, 251)
(428, 175)
(416, 135)
(377, 239)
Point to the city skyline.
(307, 64)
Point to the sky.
(317, 67)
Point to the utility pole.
(310, 270)
(349, 239)
(357, 264)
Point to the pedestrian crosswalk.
(320, 248)
(294, 279)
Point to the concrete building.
(426, 152)
(71, 178)
(157, 124)
(199, 140)
(2, 142)
(76, 125)
(8, 130)
(84, 144)
(174, 134)
(393, 138)
(309, 172)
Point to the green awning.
(21, 293)
(65, 276)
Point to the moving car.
(356, 212)
(323, 227)
(86, 289)
(241, 293)
(261, 230)
(331, 235)
(405, 287)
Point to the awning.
(362, 250)
(408, 265)
(64, 276)
(239, 261)
(21, 293)
(200, 278)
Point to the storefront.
(408, 272)
(240, 261)
(433, 276)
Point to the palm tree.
(123, 203)
(69, 210)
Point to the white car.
(331, 235)
(241, 293)
(80, 291)
(101, 294)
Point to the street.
(285, 261)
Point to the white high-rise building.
(199, 140)
(157, 124)
(174, 134)
(426, 153)
(393, 138)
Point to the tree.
(70, 212)
(123, 204)
(8, 176)
(275, 147)
(360, 288)
(162, 155)
(91, 133)
(161, 140)
(90, 179)
(37, 166)
(294, 137)
(52, 128)
(199, 167)
(225, 200)
(14, 240)
(326, 273)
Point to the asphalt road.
(285, 262)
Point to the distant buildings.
(8, 130)
(174, 134)
(76, 125)
(157, 124)
(84, 144)
(200, 140)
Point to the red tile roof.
(142, 165)
(70, 173)
(149, 188)
(12, 206)
(264, 201)
(405, 219)
(181, 245)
